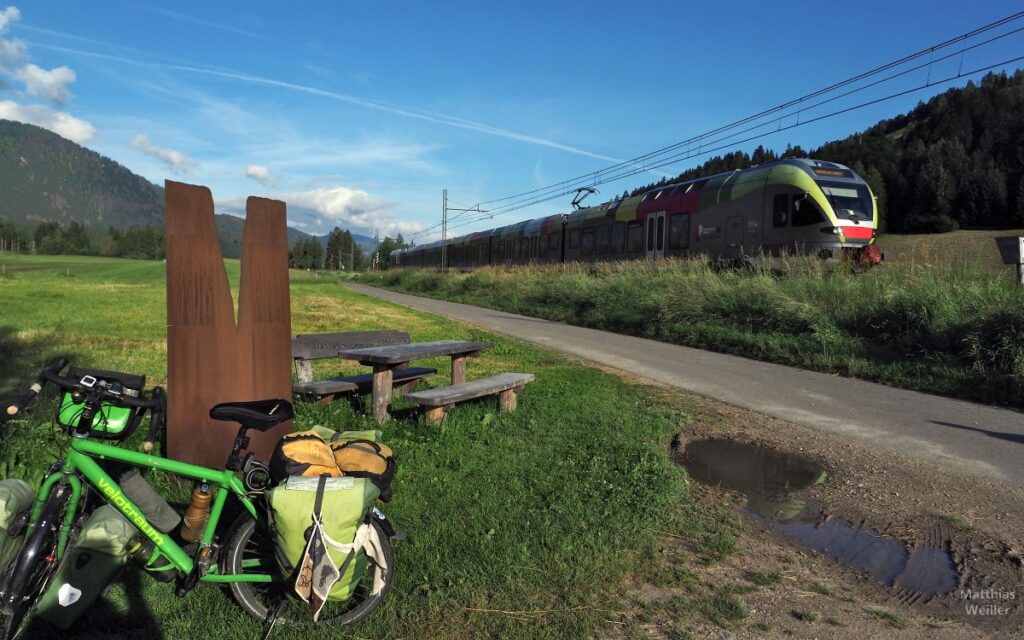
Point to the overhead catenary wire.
(732, 143)
(797, 108)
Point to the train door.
(656, 235)
(775, 223)
(734, 235)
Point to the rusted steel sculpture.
(210, 359)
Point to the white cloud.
(260, 174)
(7, 16)
(319, 210)
(50, 85)
(176, 161)
(11, 51)
(63, 124)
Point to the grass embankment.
(527, 524)
(956, 331)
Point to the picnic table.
(386, 359)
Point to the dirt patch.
(795, 591)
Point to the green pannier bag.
(111, 422)
(16, 497)
(88, 567)
(345, 515)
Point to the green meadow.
(933, 320)
(532, 524)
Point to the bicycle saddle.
(257, 414)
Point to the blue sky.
(359, 114)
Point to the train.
(786, 207)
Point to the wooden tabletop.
(399, 353)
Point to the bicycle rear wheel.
(30, 572)
(250, 545)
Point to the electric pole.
(444, 227)
(444, 231)
(376, 250)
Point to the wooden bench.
(319, 346)
(439, 401)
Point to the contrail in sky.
(436, 118)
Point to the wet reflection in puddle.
(772, 482)
(769, 479)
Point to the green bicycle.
(244, 562)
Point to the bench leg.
(507, 400)
(435, 415)
(323, 401)
(381, 392)
(400, 390)
(458, 369)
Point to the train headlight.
(833, 230)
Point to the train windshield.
(849, 201)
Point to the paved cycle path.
(974, 438)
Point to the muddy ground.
(978, 521)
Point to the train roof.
(543, 225)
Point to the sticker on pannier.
(302, 454)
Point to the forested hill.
(954, 161)
(44, 177)
(52, 190)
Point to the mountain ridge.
(47, 178)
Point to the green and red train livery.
(793, 206)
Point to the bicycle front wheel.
(30, 572)
(250, 547)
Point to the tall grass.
(956, 331)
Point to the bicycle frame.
(79, 462)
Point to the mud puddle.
(775, 483)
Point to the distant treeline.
(954, 161)
(53, 238)
(342, 253)
(147, 243)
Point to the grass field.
(969, 249)
(937, 324)
(521, 525)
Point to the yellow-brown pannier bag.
(366, 459)
(304, 453)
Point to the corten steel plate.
(210, 359)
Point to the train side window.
(661, 233)
(553, 241)
(588, 241)
(601, 239)
(806, 212)
(780, 210)
(574, 238)
(635, 236)
(679, 231)
(618, 237)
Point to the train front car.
(819, 208)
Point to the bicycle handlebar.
(52, 375)
(37, 386)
